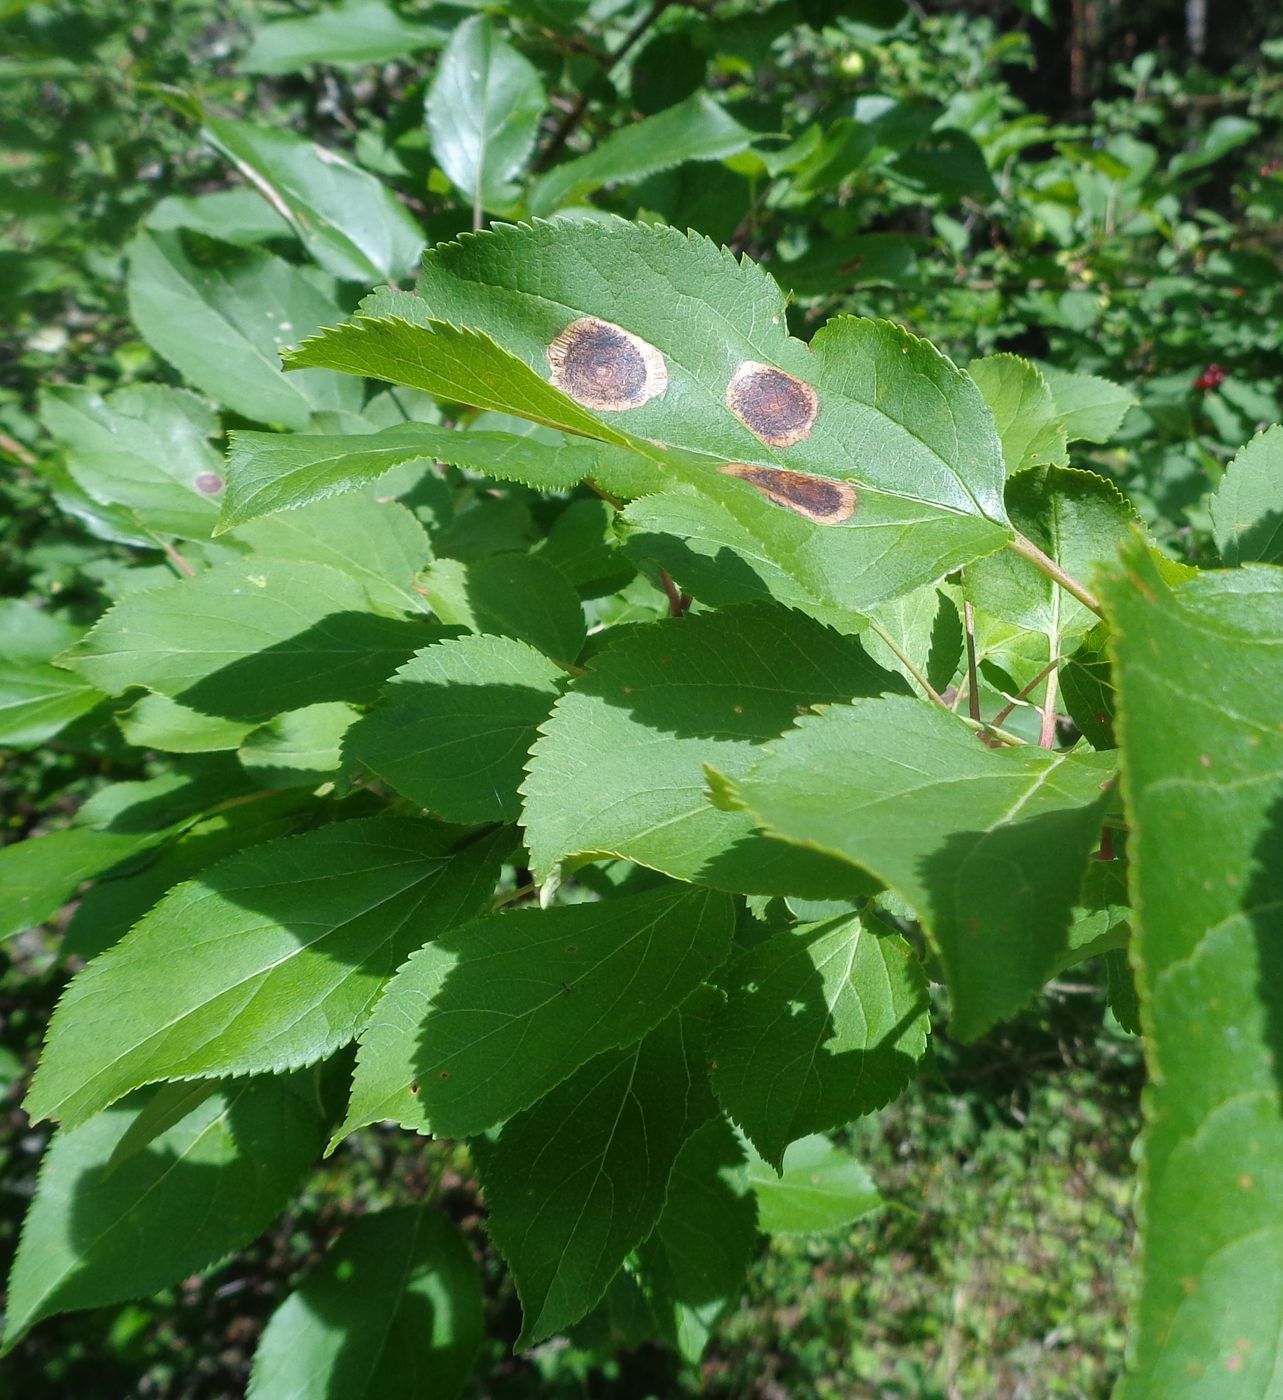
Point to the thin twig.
(1002, 715)
(928, 689)
(570, 122)
(678, 601)
(973, 681)
(1027, 549)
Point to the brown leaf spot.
(816, 497)
(772, 405)
(606, 367)
(209, 483)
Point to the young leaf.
(1028, 420)
(394, 1310)
(144, 447)
(1199, 672)
(493, 1015)
(822, 1024)
(692, 1267)
(513, 595)
(97, 1234)
(220, 315)
(347, 220)
(619, 768)
(483, 111)
(988, 846)
(576, 1182)
(455, 725)
(822, 1188)
(696, 129)
(266, 961)
(1247, 508)
(1090, 408)
(249, 639)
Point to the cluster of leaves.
(591, 738)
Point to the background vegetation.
(1103, 194)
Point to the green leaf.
(1076, 518)
(483, 111)
(269, 472)
(988, 846)
(493, 1015)
(351, 34)
(378, 543)
(460, 365)
(514, 595)
(696, 129)
(618, 770)
(144, 447)
(1199, 671)
(39, 875)
(220, 315)
(298, 749)
(1091, 409)
(576, 1182)
(156, 722)
(1026, 414)
(455, 725)
(249, 639)
(267, 961)
(693, 1265)
(822, 1188)
(234, 216)
(924, 627)
(822, 1023)
(394, 1310)
(204, 1188)
(347, 220)
(37, 700)
(1247, 507)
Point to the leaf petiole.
(1027, 549)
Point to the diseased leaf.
(822, 1188)
(393, 1310)
(220, 315)
(455, 725)
(988, 846)
(240, 640)
(267, 961)
(576, 1182)
(204, 1188)
(695, 129)
(1247, 507)
(490, 1017)
(346, 219)
(1199, 670)
(619, 767)
(483, 111)
(822, 1024)
(145, 448)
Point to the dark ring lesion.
(774, 406)
(818, 498)
(603, 366)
